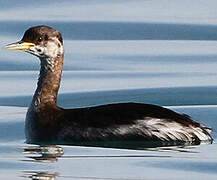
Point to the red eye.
(39, 39)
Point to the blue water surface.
(158, 52)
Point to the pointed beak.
(19, 46)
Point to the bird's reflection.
(51, 153)
(43, 153)
(48, 153)
(34, 175)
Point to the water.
(116, 51)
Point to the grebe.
(46, 122)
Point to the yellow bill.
(19, 46)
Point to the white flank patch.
(164, 130)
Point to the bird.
(46, 122)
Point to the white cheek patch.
(53, 48)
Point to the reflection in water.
(43, 153)
(40, 175)
(50, 154)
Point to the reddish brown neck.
(48, 82)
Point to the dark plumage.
(123, 122)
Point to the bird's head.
(41, 41)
